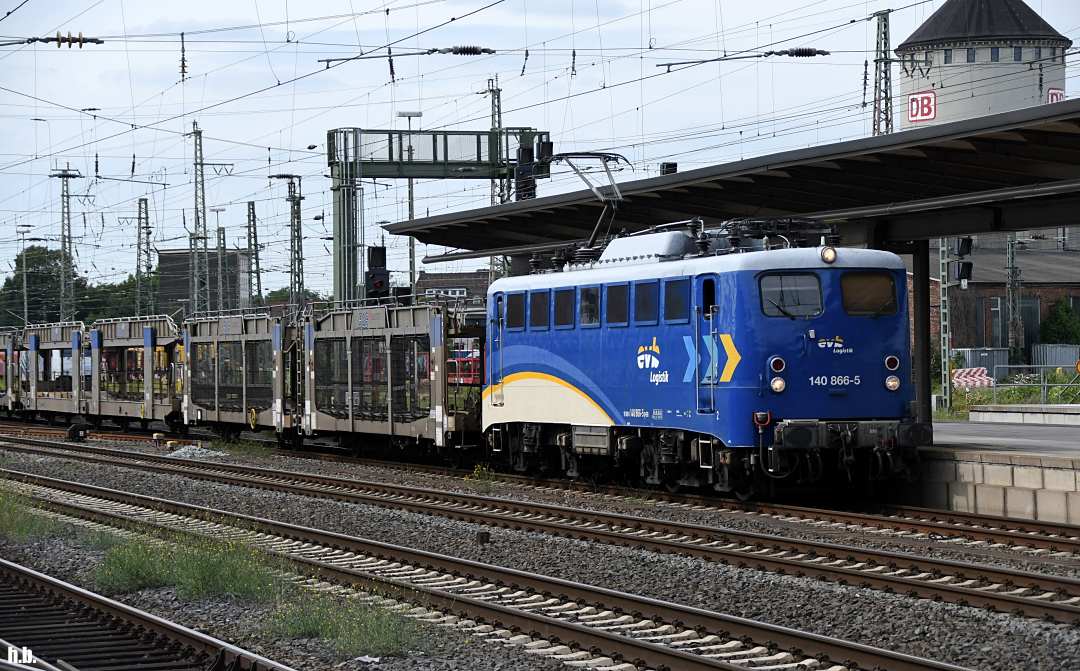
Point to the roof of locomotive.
(803, 258)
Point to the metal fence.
(1047, 382)
(1055, 355)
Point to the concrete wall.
(1056, 415)
(998, 483)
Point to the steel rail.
(1036, 534)
(1008, 531)
(1009, 590)
(135, 633)
(311, 544)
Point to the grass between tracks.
(19, 523)
(243, 448)
(352, 628)
(208, 568)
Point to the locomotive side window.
(590, 306)
(538, 310)
(618, 304)
(676, 300)
(564, 308)
(868, 294)
(791, 295)
(708, 297)
(515, 311)
(646, 302)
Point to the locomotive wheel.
(650, 464)
(744, 491)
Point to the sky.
(590, 73)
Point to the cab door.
(705, 342)
(496, 326)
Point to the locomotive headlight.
(828, 254)
(892, 362)
(777, 364)
(778, 385)
(892, 383)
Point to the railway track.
(902, 521)
(68, 628)
(548, 616)
(1007, 590)
(972, 528)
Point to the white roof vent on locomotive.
(664, 245)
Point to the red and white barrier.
(971, 378)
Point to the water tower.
(977, 57)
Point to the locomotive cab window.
(590, 306)
(515, 311)
(791, 295)
(676, 300)
(646, 302)
(869, 294)
(618, 305)
(564, 308)
(538, 310)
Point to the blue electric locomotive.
(689, 359)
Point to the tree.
(43, 268)
(91, 302)
(281, 296)
(1062, 326)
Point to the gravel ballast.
(960, 635)
(733, 520)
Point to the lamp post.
(412, 241)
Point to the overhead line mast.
(200, 299)
(883, 112)
(67, 266)
(255, 294)
(296, 243)
(144, 265)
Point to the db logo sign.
(1055, 95)
(922, 106)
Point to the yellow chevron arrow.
(733, 357)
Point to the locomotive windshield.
(791, 295)
(868, 294)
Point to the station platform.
(1059, 415)
(1012, 470)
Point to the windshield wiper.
(885, 308)
(781, 308)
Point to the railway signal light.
(962, 270)
(377, 283)
(959, 272)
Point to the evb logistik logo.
(648, 358)
(835, 345)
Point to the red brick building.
(1049, 273)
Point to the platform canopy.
(1012, 171)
